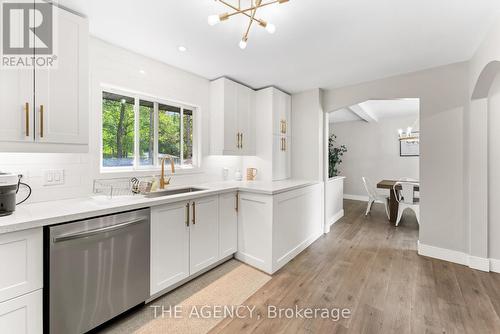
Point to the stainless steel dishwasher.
(96, 269)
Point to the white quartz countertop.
(55, 212)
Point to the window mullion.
(181, 155)
(136, 133)
(156, 145)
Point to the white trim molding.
(336, 217)
(474, 262)
(495, 265)
(361, 198)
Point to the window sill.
(147, 172)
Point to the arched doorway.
(478, 170)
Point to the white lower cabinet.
(21, 282)
(22, 315)
(204, 233)
(186, 238)
(169, 245)
(22, 253)
(228, 224)
(273, 229)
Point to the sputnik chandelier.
(250, 12)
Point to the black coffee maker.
(9, 187)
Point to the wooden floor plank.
(373, 268)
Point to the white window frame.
(146, 170)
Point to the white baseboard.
(474, 262)
(358, 198)
(479, 263)
(336, 217)
(495, 265)
(442, 254)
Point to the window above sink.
(137, 130)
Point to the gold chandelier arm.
(261, 22)
(241, 11)
(258, 2)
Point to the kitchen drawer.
(22, 315)
(21, 256)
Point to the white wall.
(115, 66)
(443, 94)
(494, 170)
(373, 152)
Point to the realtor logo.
(27, 34)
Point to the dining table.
(393, 203)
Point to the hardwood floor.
(373, 269)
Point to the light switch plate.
(52, 177)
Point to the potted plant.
(335, 154)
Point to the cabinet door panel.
(16, 89)
(63, 90)
(169, 245)
(246, 120)
(228, 225)
(281, 157)
(230, 118)
(281, 113)
(21, 252)
(22, 314)
(204, 233)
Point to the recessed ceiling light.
(142, 71)
(182, 48)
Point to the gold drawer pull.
(27, 112)
(194, 214)
(41, 121)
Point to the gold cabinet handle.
(237, 207)
(27, 112)
(284, 144)
(187, 214)
(41, 121)
(238, 140)
(194, 214)
(241, 143)
(285, 126)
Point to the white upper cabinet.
(232, 118)
(49, 105)
(16, 105)
(61, 92)
(274, 138)
(282, 112)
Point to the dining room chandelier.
(250, 11)
(408, 136)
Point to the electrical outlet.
(52, 177)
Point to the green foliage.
(169, 129)
(335, 154)
(112, 111)
(118, 133)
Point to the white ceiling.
(378, 110)
(320, 43)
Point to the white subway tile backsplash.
(32, 165)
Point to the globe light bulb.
(213, 19)
(271, 28)
(243, 44)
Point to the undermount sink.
(168, 192)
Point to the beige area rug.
(227, 285)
